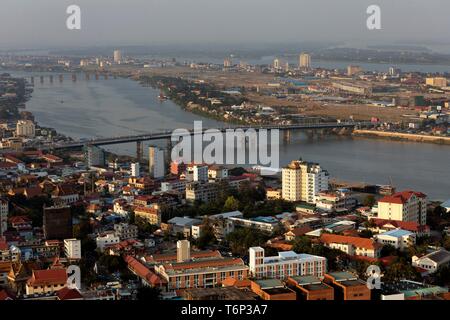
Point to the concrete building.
(432, 261)
(347, 286)
(46, 281)
(95, 156)
(436, 82)
(272, 289)
(353, 70)
(125, 231)
(135, 169)
(399, 239)
(302, 181)
(25, 128)
(105, 240)
(156, 162)
(204, 271)
(353, 246)
(311, 288)
(204, 192)
(4, 210)
(117, 55)
(72, 248)
(286, 264)
(57, 223)
(199, 172)
(304, 61)
(151, 214)
(404, 206)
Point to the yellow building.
(304, 61)
(302, 181)
(436, 82)
(404, 206)
(151, 214)
(25, 128)
(46, 281)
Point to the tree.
(369, 201)
(231, 204)
(243, 238)
(302, 245)
(148, 293)
(388, 250)
(112, 263)
(207, 236)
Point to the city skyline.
(139, 23)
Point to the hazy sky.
(41, 23)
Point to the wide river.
(102, 108)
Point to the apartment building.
(302, 181)
(4, 210)
(151, 214)
(204, 192)
(25, 128)
(126, 231)
(72, 248)
(404, 206)
(286, 264)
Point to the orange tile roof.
(144, 272)
(405, 225)
(204, 264)
(401, 197)
(355, 241)
(48, 277)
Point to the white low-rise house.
(182, 225)
(398, 238)
(105, 240)
(432, 261)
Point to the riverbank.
(402, 136)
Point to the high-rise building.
(353, 70)
(25, 128)
(227, 63)
(117, 56)
(277, 63)
(404, 206)
(302, 181)
(200, 173)
(57, 223)
(183, 250)
(135, 169)
(94, 156)
(304, 61)
(156, 162)
(4, 210)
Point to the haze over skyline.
(40, 24)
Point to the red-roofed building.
(69, 294)
(45, 281)
(147, 277)
(353, 246)
(404, 206)
(384, 225)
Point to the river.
(101, 108)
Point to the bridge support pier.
(32, 80)
(139, 151)
(287, 136)
(61, 78)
